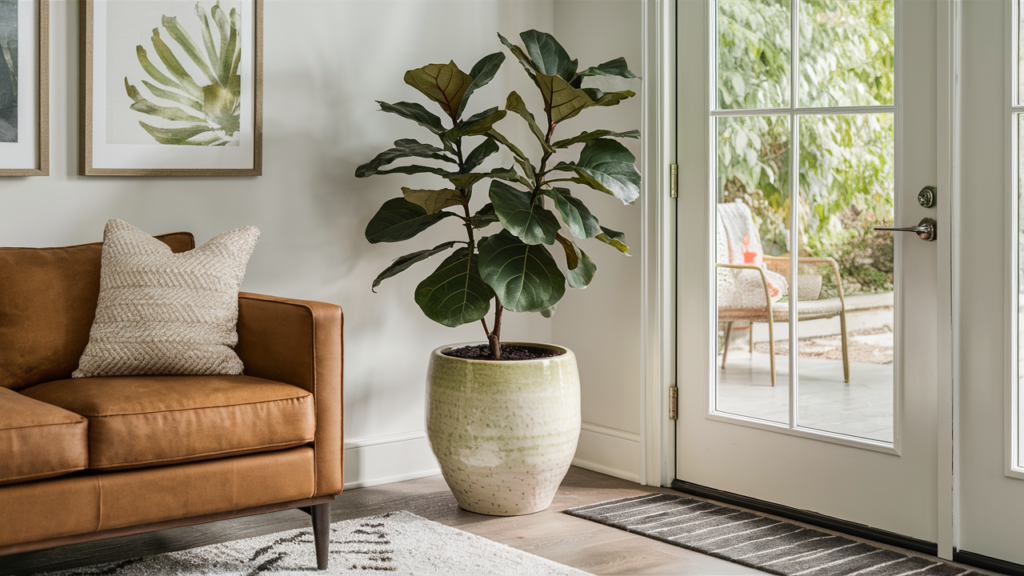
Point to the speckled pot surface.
(504, 432)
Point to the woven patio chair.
(809, 307)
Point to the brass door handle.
(925, 229)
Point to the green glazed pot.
(504, 432)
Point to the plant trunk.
(494, 337)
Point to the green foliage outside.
(846, 162)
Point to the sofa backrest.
(47, 304)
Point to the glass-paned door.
(801, 129)
(832, 124)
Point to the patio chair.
(751, 284)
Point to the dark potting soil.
(483, 352)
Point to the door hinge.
(673, 183)
(673, 403)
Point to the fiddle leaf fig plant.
(512, 266)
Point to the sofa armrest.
(300, 343)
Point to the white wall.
(326, 62)
(602, 324)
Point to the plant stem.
(494, 338)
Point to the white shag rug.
(393, 543)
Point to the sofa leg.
(322, 533)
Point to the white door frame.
(657, 244)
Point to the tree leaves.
(482, 74)
(577, 217)
(581, 268)
(402, 263)
(476, 125)
(455, 294)
(404, 148)
(607, 98)
(434, 201)
(442, 83)
(548, 56)
(479, 154)
(399, 219)
(529, 221)
(464, 181)
(606, 166)
(561, 100)
(415, 112)
(515, 104)
(525, 278)
(616, 67)
(614, 239)
(588, 136)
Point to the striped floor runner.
(750, 539)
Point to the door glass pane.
(846, 52)
(752, 226)
(846, 324)
(753, 53)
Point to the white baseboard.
(384, 459)
(609, 451)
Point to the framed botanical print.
(171, 88)
(24, 88)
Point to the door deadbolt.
(925, 229)
(926, 197)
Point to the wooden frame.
(86, 71)
(42, 123)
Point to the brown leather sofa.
(95, 458)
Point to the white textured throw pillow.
(166, 313)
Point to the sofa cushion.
(47, 304)
(38, 440)
(165, 313)
(140, 421)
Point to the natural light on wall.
(802, 247)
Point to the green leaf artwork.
(187, 111)
(514, 267)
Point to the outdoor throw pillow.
(166, 313)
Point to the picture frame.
(24, 88)
(171, 88)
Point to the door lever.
(925, 229)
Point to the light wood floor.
(585, 545)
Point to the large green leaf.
(588, 136)
(482, 74)
(416, 169)
(404, 148)
(434, 201)
(508, 143)
(455, 294)
(484, 217)
(530, 222)
(561, 100)
(173, 96)
(515, 104)
(548, 56)
(581, 268)
(614, 239)
(575, 214)
(398, 219)
(524, 277)
(607, 166)
(464, 181)
(528, 65)
(402, 263)
(442, 83)
(607, 98)
(140, 104)
(181, 136)
(616, 67)
(476, 125)
(479, 154)
(415, 112)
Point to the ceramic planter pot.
(504, 432)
